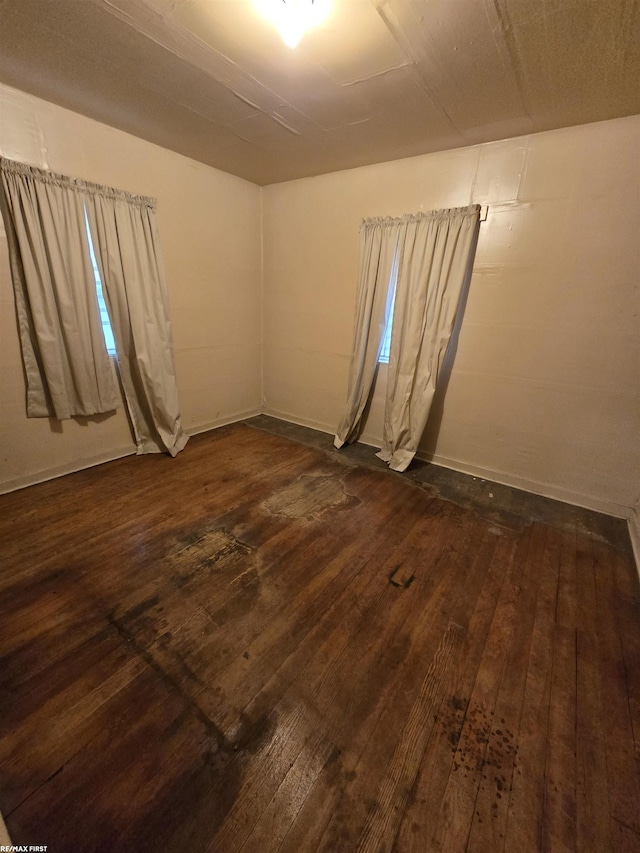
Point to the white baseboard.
(61, 470)
(220, 422)
(80, 464)
(306, 422)
(546, 490)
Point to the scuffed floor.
(265, 645)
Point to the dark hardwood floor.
(264, 645)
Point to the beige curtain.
(127, 253)
(66, 364)
(435, 254)
(378, 242)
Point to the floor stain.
(508, 508)
(207, 552)
(310, 496)
(247, 588)
(489, 746)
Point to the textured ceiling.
(381, 79)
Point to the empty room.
(320, 419)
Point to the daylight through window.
(107, 331)
(391, 300)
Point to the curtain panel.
(67, 368)
(377, 265)
(435, 256)
(432, 255)
(128, 257)
(66, 361)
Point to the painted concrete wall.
(209, 226)
(544, 391)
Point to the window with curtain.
(105, 320)
(385, 346)
(71, 242)
(428, 257)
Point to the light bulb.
(293, 18)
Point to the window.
(107, 331)
(386, 338)
(385, 347)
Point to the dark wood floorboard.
(265, 645)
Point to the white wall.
(544, 392)
(210, 225)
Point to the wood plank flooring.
(264, 645)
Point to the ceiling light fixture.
(293, 18)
